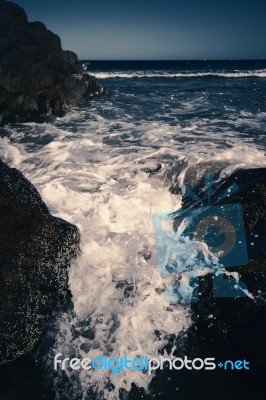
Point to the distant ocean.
(91, 166)
(198, 100)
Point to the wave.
(95, 167)
(165, 74)
(117, 288)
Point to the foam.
(165, 74)
(112, 206)
(103, 187)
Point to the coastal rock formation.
(35, 251)
(37, 78)
(227, 328)
(247, 187)
(234, 316)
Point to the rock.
(35, 251)
(23, 379)
(251, 194)
(234, 311)
(5, 133)
(226, 328)
(226, 209)
(37, 78)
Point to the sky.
(155, 29)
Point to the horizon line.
(172, 59)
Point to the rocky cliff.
(37, 78)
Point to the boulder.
(246, 187)
(35, 252)
(226, 328)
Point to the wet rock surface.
(226, 328)
(35, 251)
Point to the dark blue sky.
(156, 29)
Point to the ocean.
(103, 167)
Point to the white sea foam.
(111, 201)
(261, 73)
(102, 187)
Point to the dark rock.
(5, 133)
(37, 78)
(239, 197)
(251, 194)
(23, 379)
(35, 251)
(224, 327)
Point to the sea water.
(103, 167)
